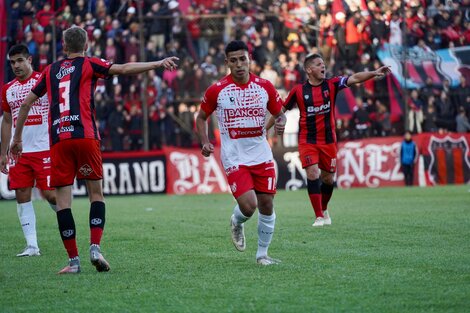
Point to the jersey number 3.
(64, 89)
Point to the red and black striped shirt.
(70, 85)
(317, 109)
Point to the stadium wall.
(444, 159)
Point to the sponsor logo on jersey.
(322, 109)
(243, 112)
(247, 132)
(64, 71)
(85, 170)
(96, 221)
(33, 120)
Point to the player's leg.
(266, 223)
(97, 221)
(27, 217)
(309, 156)
(50, 197)
(327, 164)
(314, 193)
(21, 177)
(327, 187)
(63, 170)
(264, 178)
(90, 167)
(67, 228)
(241, 186)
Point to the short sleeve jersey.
(36, 128)
(241, 113)
(317, 109)
(70, 85)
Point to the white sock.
(53, 207)
(238, 216)
(28, 222)
(265, 233)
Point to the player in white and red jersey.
(241, 101)
(33, 168)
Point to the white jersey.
(241, 112)
(36, 128)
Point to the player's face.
(316, 69)
(239, 64)
(21, 66)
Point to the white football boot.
(319, 221)
(238, 235)
(29, 251)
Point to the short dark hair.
(235, 45)
(310, 58)
(75, 39)
(19, 49)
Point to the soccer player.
(317, 137)
(34, 168)
(75, 140)
(241, 101)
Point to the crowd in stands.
(279, 34)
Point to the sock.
(326, 192)
(28, 222)
(314, 194)
(238, 215)
(53, 207)
(265, 233)
(97, 220)
(67, 231)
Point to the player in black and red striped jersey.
(317, 137)
(75, 141)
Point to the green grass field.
(388, 250)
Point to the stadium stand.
(347, 33)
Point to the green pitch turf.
(388, 250)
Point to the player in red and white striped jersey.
(34, 166)
(317, 137)
(241, 101)
(75, 147)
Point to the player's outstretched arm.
(201, 124)
(363, 76)
(133, 68)
(16, 145)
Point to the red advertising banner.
(369, 163)
(443, 159)
(189, 172)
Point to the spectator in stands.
(460, 95)
(430, 116)
(463, 126)
(361, 120)
(116, 123)
(415, 112)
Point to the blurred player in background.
(317, 128)
(75, 140)
(33, 169)
(241, 101)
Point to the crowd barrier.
(372, 163)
